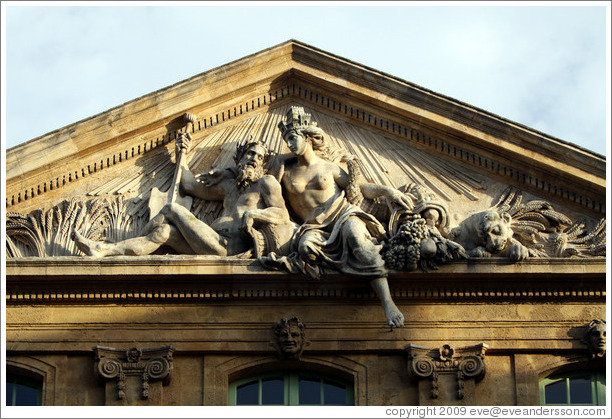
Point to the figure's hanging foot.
(89, 247)
(394, 315)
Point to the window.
(290, 389)
(22, 391)
(576, 388)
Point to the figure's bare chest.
(316, 178)
(240, 200)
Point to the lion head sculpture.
(488, 233)
(494, 231)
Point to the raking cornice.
(293, 70)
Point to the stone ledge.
(398, 340)
(194, 279)
(68, 267)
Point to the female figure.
(333, 233)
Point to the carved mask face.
(296, 143)
(597, 338)
(290, 340)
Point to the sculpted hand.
(210, 178)
(404, 200)
(247, 221)
(183, 142)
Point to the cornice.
(192, 279)
(148, 114)
(295, 71)
(549, 176)
(277, 60)
(576, 189)
(78, 266)
(394, 87)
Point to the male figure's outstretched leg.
(199, 235)
(157, 233)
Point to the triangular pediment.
(401, 134)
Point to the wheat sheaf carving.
(547, 232)
(46, 232)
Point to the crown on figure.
(297, 120)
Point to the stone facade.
(221, 330)
(490, 271)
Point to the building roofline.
(292, 43)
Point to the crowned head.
(297, 120)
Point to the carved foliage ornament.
(465, 363)
(152, 364)
(416, 244)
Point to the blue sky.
(544, 67)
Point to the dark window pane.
(556, 393)
(272, 391)
(9, 394)
(580, 390)
(334, 394)
(248, 393)
(26, 396)
(310, 391)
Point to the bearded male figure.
(250, 197)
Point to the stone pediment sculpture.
(250, 198)
(289, 174)
(519, 230)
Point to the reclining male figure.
(249, 196)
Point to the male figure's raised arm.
(208, 186)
